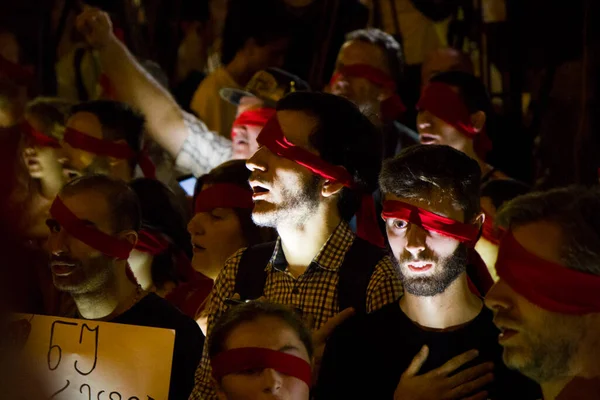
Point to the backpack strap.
(251, 276)
(355, 274)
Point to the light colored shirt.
(208, 105)
(203, 149)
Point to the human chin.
(264, 214)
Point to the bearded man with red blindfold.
(546, 302)
(368, 72)
(94, 225)
(438, 341)
(319, 158)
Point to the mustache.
(502, 319)
(62, 258)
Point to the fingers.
(470, 374)
(417, 362)
(472, 386)
(328, 327)
(456, 363)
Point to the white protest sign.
(81, 359)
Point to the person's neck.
(238, 70)
(583, 367)
(456, 306)
(483, 166)
(113, 299)
(301, 243)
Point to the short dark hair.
(119, 121)
(265, 21)
(122, 200)
(575, 209)
(51, 113)
(162, 212)
(391, 47)
(235, 172)
(420, 170)
(471, 90)
(344, 136)
(251, 311)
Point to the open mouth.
(197, 248)
(506, 334)
(419, 266)
(62, 268)
(428, 138)
(258, 190)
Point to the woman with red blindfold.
(222, 224)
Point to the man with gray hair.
(546, 302)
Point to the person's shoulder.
(162, 314)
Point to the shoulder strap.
(251, 276)
(355, 274)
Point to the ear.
(130, 235)
(385, 93)
(478, 120)
(479, 220)
(331, 188)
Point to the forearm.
(133, 85)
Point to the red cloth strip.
(392, 107)
(223, 195)
(21, 75)
(273, 139)
(546, 284)
(368, 72)
(445, 103)
(490, 232)
(466, 233)
(103, 242)
(38, 138)
(256, 117)
(152, 242)
(258, 358)
(107, 148)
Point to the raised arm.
(132, 84)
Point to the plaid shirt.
(203, 149)
(314, 292)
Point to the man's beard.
(447, 270)
(295, 209)
(95, 275)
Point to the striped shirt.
(314, 292)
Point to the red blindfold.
(465, 233)
(446, 104)
(38, 138)
(391, 108)
(273, 139)
(223, 195)
(103, 242)
(152, 242)
(256, 117)
(258, 358)
(107, 148)
(548, 285)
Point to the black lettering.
(60, 390)
(55, 346)
(97, 330)
(99, 393)
(89, 390)
(134, 398)
(111, 398)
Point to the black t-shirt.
(366, 356)
(156, 312)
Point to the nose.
(415, 240)
(423, 121)
(195, 227)
(499, 297)
(257, 162)
(57, 242)
(272, 381)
